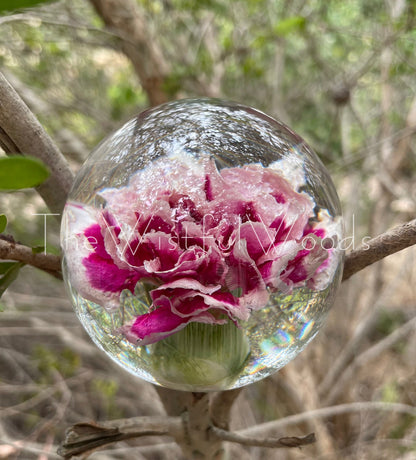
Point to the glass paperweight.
(201, 245)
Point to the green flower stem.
(209, 357)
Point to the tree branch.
(124, 18)
(13, 251)
(197, 440)
(21, 133)
(287, 441)
(387, 243)
(70, 145)
(175, 402)
(87, 437)
(381, 246)
(220, 408)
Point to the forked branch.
(84, 438)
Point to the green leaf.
(17, 172)
(289, 25)
(3, 223)
(38, 249)
(11, 5)
(4, 266)
(11, 274)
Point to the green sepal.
(201, 357)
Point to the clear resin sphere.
(201, 245)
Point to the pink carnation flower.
(211, 245)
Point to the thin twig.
(39, 397)
(30, 447)
(381, 246)
(61, 407)
(324, 412)
(287, 441)
(371, 354)
(361, 332)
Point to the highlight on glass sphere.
(201, 245)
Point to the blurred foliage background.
(341, 74)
